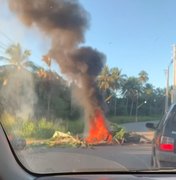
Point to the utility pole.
(173, 100)
(167, 90)
(138, 108)
(137, 93)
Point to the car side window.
(172, 120)
(161, 122)
(171, 117)
(168, 117)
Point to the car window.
(161, 122)
(168, 117)
(79, 79)
(172, 119)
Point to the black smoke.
(65, 23)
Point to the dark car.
(164, 141)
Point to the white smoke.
(18, 94)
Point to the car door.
(161, 129)
(170, 127)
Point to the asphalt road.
(137, 126)
(99, 158)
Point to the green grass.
(39, 129)
(44, 129)
(75, 127)
(128, 119)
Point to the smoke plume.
(65, 22)
(18, 94)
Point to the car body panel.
(165, 128)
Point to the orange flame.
(42, 74)
(98, 131)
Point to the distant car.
(164, 141)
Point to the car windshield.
(79, 80)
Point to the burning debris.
(118, 137)
(66, 139)
(98, 131)
(64, 22)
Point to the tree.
(148, 96)
(48, 76)
(143, 76)
(17, 91)
(16, 59)
(118, 81)
(148, 89)
(59, 101)
(109, 81)
(159, 96)
(105, 79)
(131, 90)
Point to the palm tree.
(143, 77)
(148, 94)
(148, 89)
(116, 77)
(105, 79)
(18, 78)
(118, 81)
(47, 59)
(18, 58)
(109, 81)
(131, 89)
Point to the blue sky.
(134, 35)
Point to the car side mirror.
(151, 126)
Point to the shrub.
(45, 129)
(75, 127)
(39, 129)
(8, 121)
(27, 130)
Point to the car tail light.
(166, 144)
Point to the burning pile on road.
(98, 134)
(98, 131)
(66, 139)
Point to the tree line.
(126, 95)
(123, 95)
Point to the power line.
(7, 37)
(3, 45)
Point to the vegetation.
(128, 119)
(39, 128)
(53, 109)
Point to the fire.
(98, 131)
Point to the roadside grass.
(41, 128)
(129, 119)
(75, 127)
(37, 132)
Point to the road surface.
(137, 126)
(108, 157)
